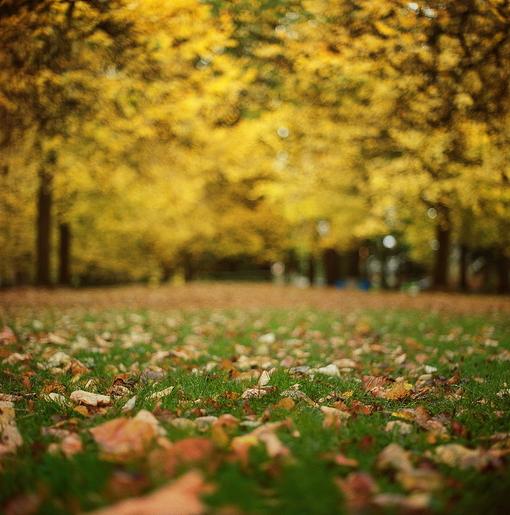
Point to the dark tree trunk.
(43, 243)
(331, 266)
(463, 265)
(443, 236)
(311, 269)
(354, 264)
(64, 273)
(503, 272)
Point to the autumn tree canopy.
(153, 138)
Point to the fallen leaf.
(457, 455)
(257, 392)
(286, 404)
(189, 452)
(7, 414)
(70, 445)
(90, 399)
(334, 417)
(122, 438)
(330, 370)
(27, 504)
(394, 457)
(7, 335)
(420, 480)
(399, 427)
(399, 391)
(264, 378)
(266, 433)
(15, 357)
(182, 497)
(358, 489)
(57, 398)
(162, 393)
(10, 440)
(223, 428)
(414, 503)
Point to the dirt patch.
(196, 296)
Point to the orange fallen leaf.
(334, 417)
(193, 451)
(122, 438)
(182, 497)
(7, 335)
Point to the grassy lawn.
(236, 400)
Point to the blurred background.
(350, 144)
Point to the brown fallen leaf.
(27, 504)
(123, 438)
(359, 489)
(182, 497)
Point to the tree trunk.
(311, 269)
(64, 274)
(331, 266)
(503, 272)
(463, 265)
(43, 243)
(443, 236)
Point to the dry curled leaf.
(90, 399)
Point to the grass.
(455, 364)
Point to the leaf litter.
(174, 397)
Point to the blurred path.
(195, 296)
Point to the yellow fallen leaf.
(420, 480)
(399, 391)
(7, 414)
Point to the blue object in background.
(364, 285)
